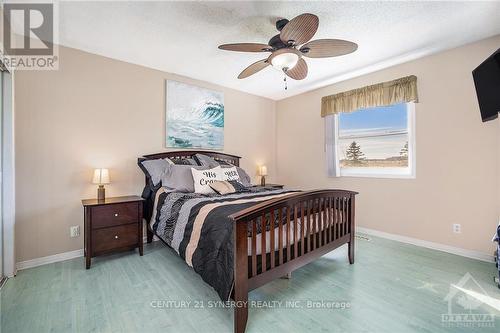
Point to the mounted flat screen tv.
(487, 81)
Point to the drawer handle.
(116, 214)
(116, 237)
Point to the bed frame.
(329, 215)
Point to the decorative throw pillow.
(226, 187)
(222, 187)
(154, 169)
(179, 178)
(244, 177)
(230, 173)
(203, 178)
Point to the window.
(376, 142)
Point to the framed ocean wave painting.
(194, 116)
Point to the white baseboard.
(49, 259)
(56, 258)
(430, 245)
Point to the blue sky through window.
(380, 133)
(374, 120)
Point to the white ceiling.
(182, 37)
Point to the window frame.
(397, 173)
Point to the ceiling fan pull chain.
(284, 79)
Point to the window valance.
(402, 90)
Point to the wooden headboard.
(218, 156)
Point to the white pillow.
(230, 174)
(203, 178)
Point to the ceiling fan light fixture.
(290, 46)
(286, 60)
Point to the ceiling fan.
(290, 46)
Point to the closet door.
(1, 174)
(7, 173)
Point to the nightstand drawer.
(115, 237)
(110, 215)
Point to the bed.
(238, 242)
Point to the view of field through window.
(374, 137)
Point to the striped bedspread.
(199, 229)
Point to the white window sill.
(396, 173)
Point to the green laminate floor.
(392, 287)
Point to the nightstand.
(111, 225)
(275, 186)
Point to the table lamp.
(101, 177)
(263, 174)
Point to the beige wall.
(99, 112)
(457, 155)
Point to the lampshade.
(101, 176)
(286, 60)
(263, 171)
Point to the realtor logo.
(468, 295)
(37, 23)
(28, 36)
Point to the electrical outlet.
(457, 228)
(74, 231)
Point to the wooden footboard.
(310, 224)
